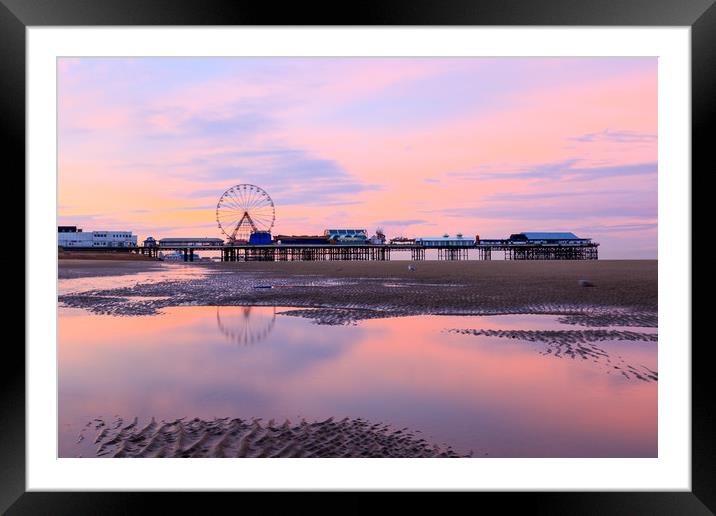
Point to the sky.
(417, 146)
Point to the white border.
(670, 471)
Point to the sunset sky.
(418, 146)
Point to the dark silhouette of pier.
(482, 251)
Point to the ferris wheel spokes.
(247, 217)
(244, 209)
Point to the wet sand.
(579, 344)
(240, 438)
(105, 256)
(630, 283)
(616, 282)
(624, 293)
(87, 268)
(434, 287)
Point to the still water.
(496, 396)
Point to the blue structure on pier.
(260, 238)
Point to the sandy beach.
(88, 268)
(624, 294)
(509, 283)
(623, 291)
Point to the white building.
(378, 238)
(71, 236)
(446, 241)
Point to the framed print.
(435, 250)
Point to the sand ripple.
(250, 438)
(579, 344)
(590, 316)
(562, 336)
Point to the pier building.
(300, 240)
(174, 243)
(260, 238)
(541, 246)
(445, 241)
(346, 236)
(402, 241)
(549, 238)
(378, 238)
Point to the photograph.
(357, 257)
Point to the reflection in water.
(244, 327)
(486, 393)
(173, 272)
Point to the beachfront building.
(346, 236)
(445, 241)
(72, 236)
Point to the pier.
(512, 249)
(481, 251)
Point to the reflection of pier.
(245, 324)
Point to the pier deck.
(273, 252)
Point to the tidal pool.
(497, 396)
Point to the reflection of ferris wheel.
(244, 209)
(243, 326)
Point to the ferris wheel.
(244, 209)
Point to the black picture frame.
(17, 15)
